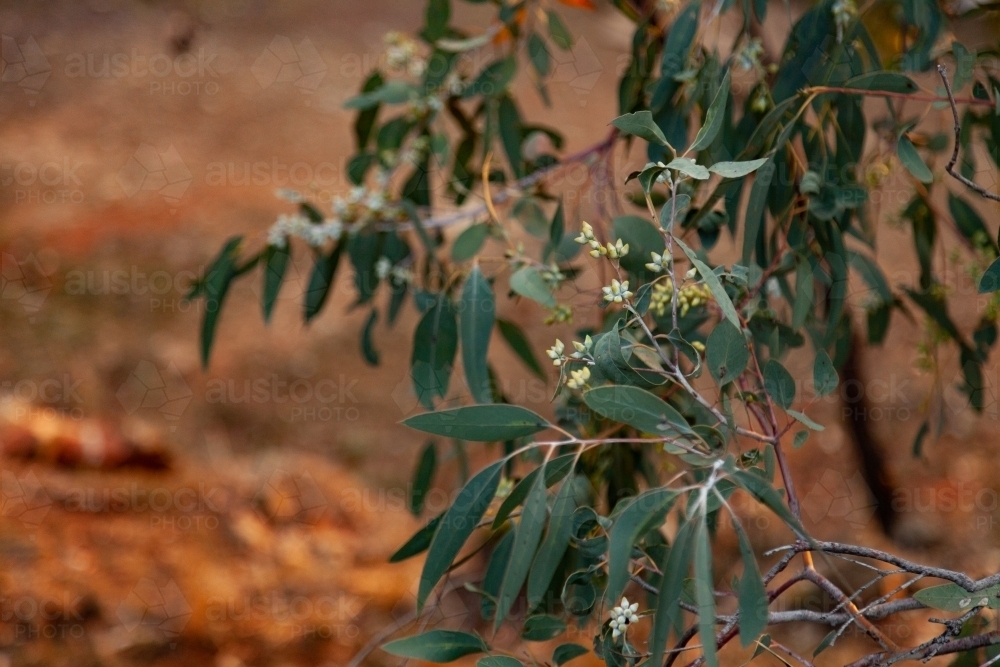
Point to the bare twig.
(943, 71)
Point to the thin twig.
(943, 71)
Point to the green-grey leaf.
(456, 526)
(689, 167)
(726, 353)
(558, 32)
(714, 285)
(891, 82)
(419, 542)
(526, 281)
(435, 342)
(638, 408)
(566, 652)
(641, 125)
(477, 312)
(704, 594)
(437, 646)
(952, 597)
(675, 569)
(216, 286)
(779, 383)
(644, 512)
(713, 118)
(752, 593)
(990, 282)
(800, 439)
(422, 478)
(526, 538)
(499, 661)
(554, 546)
(519, 343)
(469, 242)
(760, 489)
(825, 376)
(911, 159)
(542, 628)
(481, 423)
(368, 350)
(737, 169)
(275, 265)
(803, 419)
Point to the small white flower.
(692, 272)
(578, 379)
(556, 353)
(617, 291)
(623, 616)
(383, 267)
(659, 263)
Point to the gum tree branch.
(943, 71)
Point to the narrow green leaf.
(689, 167)
(275, 265)
(422, 478)
(638, 408)
(712, 280)
(566, 652)
(800, 439)
(760, 489)
(726, 353)
(368, 350)
(825, 376)
(480, 423)
(499, 661)
(704, 592)
(418, 543)
(555, 470)
(668, 611)
(436, 19)
(521, 346)
(713, 118)
(469, 242)
(752, 593)
(321, 281)
(493, 80)
(802, 418)
(510, 133)
(644, 512)
(990, 282)
(542, 628)
(558, 32)
(641, 125)
(952, 597)
(554, 546)
(477, 312)
(890, 82)
(435, 342)
(456, 526)
(779, 383)
(756, 207)
(437, 646)
(737, 169)
(911, 159)
(216, 286)
(539, 54)
(526, 538)
(526, 281)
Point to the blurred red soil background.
(158, 513)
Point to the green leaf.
(713, 118)
(668, 612)
(760, 489)
(555, 470)
(469, 242)
(642, 238)
(480, 423)
(911, 159)
(804, 294)
(419, 542)
(737, 169)
(477, 312)
(689, 167)
(366, 119)
(554, 546)
(566, 652)
(752, 593)
(704, 592)
(952, 597)
(890, 82)
(519, 343)
(456, 526)
(526, 281)
(825, 376)
(756, 206)
(558, 32)
(275, 265)
(368, 350)
(499, 661)
(714, 285)
(526, 538)
(802, 418)
(436, 646)
(800, 439)
(493, 80)
(726, 353)
(542, 628)
(641, 125)
(779, 383)
(990, 282)
(321, 281)
(510, 134)
(436, 19)
(638, 408)
(645, 512)
(216, 285)
(422, 478)
(435, 343)
(539, 54)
